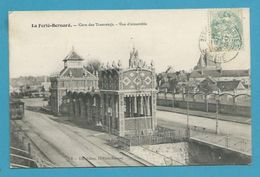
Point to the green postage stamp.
(226, 30)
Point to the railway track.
(138, 159)
(89, 161)
(109, 159)
(104, 156)
(30, 134)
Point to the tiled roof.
(73, 56)
(75, 72)
(228, 85)
(219, 73)
(209, 80)
(165, 85)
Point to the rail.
(20, 150)
(14, 165)
(24, 158)
(32, 150)
(237, 144)
(89, 161)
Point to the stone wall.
(202, 154)
(188, 153)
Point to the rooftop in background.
(219, 73)
(225, 86)
(207, 62)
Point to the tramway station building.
(74, 77)
(120, 100)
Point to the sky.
(168, 37)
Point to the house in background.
(210, 85)
(235, 81)
(234, 87)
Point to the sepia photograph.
(129, 88)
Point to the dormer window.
(70, 74)
(85, 74)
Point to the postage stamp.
(225, 30)
(223, 38)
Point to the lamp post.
(109, 111)
(217, 112)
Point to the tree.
(173, 82)
(93, 65)
(43, 89)
(159, 78)
(169, 69)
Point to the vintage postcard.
(125, 88)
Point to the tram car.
(16, 109)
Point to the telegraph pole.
(188, 113)
(173, 98)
